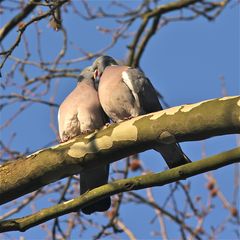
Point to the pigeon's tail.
(99, 206)
(91, 179)
(172, 154)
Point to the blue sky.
(185, 61)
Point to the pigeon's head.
(87, 73)
(100, 64)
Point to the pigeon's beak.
(95, 75)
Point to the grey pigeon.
(80, 113)
(125, 92)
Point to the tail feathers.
(173, 154)
(91, 179)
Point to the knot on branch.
(167, 138)
(129, 186)
(182, 174)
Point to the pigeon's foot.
(128, 118)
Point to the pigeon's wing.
(142, 90)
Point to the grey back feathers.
(143, 88)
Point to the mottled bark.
(183, 123)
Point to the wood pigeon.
(124, 93)
(81, 113)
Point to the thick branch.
(183, 123)
(123, 185)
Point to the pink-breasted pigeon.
(80, 113)
(126, 92)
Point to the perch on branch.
(183, 123)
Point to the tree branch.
(23, 28)
(172, 6)
(17, 19)
(145, 40)
(183, 123)
(123, 185)
(146, 16)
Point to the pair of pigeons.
(123, 93)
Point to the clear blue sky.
(185, 62)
